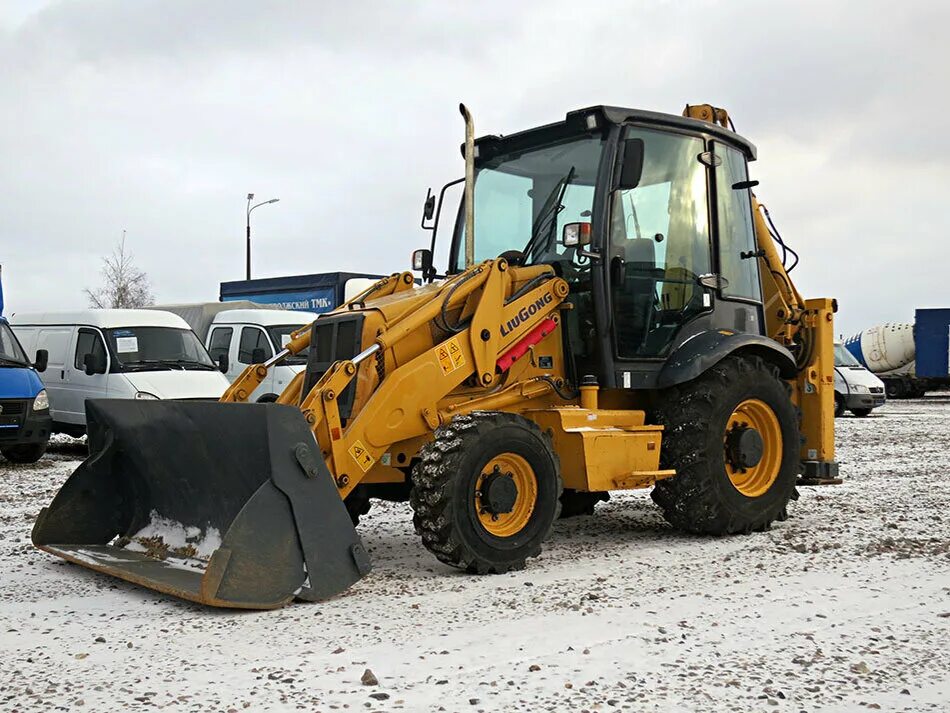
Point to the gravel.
(846, 606)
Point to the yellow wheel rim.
(510, 523)
(756, 480)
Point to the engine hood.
(179, 384)
(858, 376)
(19, 383)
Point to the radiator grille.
(12, 412)
(11, 407)
(333, 339)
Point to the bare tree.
(124, 285)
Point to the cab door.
(220, 345)
(658, 245)
(80, 385)
(254, 342)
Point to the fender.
(699, 353)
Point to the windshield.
(157, 347)
(280, 335)
(11, 353)
(843, 357)
(523, 200)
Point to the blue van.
(25, 420)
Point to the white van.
(239, 337)
(116, 354)
(856, 389)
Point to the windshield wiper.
(547, 216)
(184, 363)
(170, 363)
(146, 362)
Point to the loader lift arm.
(254, 374)
(406, 403)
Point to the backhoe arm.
(254, 374)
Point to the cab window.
(659, 245)
(220, 343)
(253, 338)
(88, 341)
(736, 231)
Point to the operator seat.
(636, 298)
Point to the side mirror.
(42, 360)
(422, 260)
(576, 235)
(257, 355)
(223, 364)
(428, 208)
(632, 168)
(94, 364)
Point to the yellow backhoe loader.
(615, 314)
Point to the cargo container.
(318, 293)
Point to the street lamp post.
(250, 209)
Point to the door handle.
(62, 373)
(617, 266)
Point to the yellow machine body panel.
(603, 450)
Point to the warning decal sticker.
(362, 457)
(450, 356)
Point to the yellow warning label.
(450, 356)
(362, 456)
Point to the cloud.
(159, 116)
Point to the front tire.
(29, 453)
(732, 435)
(839, 405)
(486, 491)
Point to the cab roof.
(579, 122)
(102, 318)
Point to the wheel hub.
(744, 447)
(499, 492)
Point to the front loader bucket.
(229, 505)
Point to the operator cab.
(647, 216)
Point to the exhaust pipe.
(469, 186)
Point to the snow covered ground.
(846, 606)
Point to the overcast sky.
(159, 116)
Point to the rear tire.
(711, 492)
(839, 405)
(485, 492)
(861, 412)
(894, 388)
(29, 453)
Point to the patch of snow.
(843, 607)
(177, 536)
